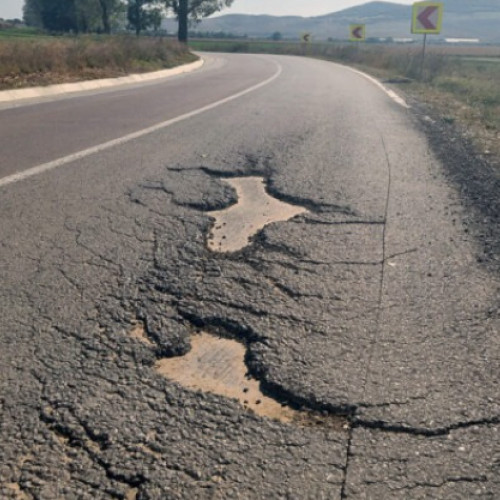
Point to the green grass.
(14, 34)
(475, 83)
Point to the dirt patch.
(131, 494)
(138, 332)
(18, 492)
(255, 209)
(217, 365)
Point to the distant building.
(462, 40)
(403, 40)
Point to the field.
(12, 33)
(28, 58)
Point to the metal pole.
(423, 57)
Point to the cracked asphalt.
(379, 305)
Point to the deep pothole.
(217, 365)
(235, 225)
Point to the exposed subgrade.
(235, 225)
(219, 361)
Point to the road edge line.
(45, 167)
(393, 95)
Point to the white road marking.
(395, 97)
(45, 167)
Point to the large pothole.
(234, 226)
(217, 365)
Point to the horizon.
(296, 7)
(11, 9)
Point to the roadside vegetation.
(63, 41)
(460, 83)
(107, 16)
(28, 60)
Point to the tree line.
(103, 16)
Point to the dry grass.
(47, 60)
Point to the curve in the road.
(45, 167)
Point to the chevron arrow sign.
(427, 18)
(358, 32)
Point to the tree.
(32, 13)
(59, 16)
(83, 16)
(72, 15)
(87, 15)
(142, 14)
(195, 10)
(155, 18)
(108, 8)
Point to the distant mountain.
(462, 19)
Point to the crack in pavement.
(438, 431)
(306, 319)
(343, 493)
(204, 298)
(382, 267)
(92, 444)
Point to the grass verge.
(41, 60)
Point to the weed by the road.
(475, 83)
(43, 60)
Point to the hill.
(463, 19)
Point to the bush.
(50, 59)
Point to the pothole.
(217, 365)
(234, 226)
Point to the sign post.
(427, 19)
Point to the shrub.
(53, 59)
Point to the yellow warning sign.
(306, 37)
(427, 18)
(357, 33)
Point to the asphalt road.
(380, 304)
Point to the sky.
(304, 8)
(13, 8)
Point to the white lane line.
(45, 167)
(395, 97)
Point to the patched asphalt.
(380, 305)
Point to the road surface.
(374, 313)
